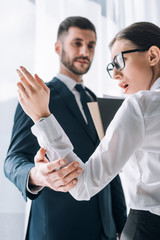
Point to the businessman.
(55, 215)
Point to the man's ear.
(58, 47)
(154, 55)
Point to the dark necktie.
(84, 99)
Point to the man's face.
(77, 50)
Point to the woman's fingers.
(29, 82)
(23, 80)
(21, 89)
(41, 82)
(28, 77)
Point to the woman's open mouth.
(125, 86)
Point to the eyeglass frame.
(122, 53)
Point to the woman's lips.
(125, 86)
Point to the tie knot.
(79, 88)
(83, 95)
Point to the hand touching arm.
(47, 174)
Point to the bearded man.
(55, 215)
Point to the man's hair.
(75, 21)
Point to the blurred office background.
(27, 35)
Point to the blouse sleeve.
(124, 135)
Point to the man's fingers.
(62, 179)
(52, 167)
(67, 179)
(68, 187)
(40, 156)
(61, 173)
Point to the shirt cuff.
(51, 137)
(34, 189)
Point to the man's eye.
(91, 46)
(77, 44)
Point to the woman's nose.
(116, 74)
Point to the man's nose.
(84, 51)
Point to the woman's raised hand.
(33, 95)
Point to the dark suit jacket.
(55, 215)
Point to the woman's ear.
(58, 47)
(154, 55)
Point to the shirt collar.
(69, 82)
(155, 85)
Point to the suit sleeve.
(118, 204)
(20, 156)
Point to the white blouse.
(131, 142)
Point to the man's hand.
(45, 173)
(33, 95)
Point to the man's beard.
(69, 64)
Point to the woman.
(131, 141)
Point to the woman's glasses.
(119, 62)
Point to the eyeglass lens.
(118, 63)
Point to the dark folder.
(103, 112)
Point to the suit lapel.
(70, 102)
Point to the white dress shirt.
(131, 142)
(71, 83)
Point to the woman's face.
(137, 74)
